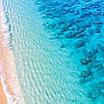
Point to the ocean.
(58, 49)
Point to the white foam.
(4, 27)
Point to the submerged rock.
(86, 76)
(80, 35)
(98, 29)
(98, 65)
(88, 57)
(70, 35)
(74, 32)
(86, 73)
(87, 0)
(79, 44)
(80, 30)
(85, 60)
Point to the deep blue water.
(79, 25)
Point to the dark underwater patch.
(9, 32)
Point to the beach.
(55, 54)
(10, 91)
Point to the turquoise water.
(58, 47)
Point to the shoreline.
(8, 78)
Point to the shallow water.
(53, 43)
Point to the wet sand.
(3, 99)
(10, 91)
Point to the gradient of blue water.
(50, 62)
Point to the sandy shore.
(10, 91)
(3, 99)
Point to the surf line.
(8, 78)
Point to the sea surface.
(59, 49)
